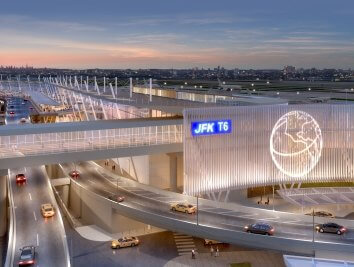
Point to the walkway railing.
(77, 141)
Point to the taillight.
(343, 229)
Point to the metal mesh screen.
(269, 145)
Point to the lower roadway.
(31, 228)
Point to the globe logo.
(296, 143)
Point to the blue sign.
(211, 127)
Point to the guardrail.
(9, 262)
(61, 228)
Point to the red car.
(12, 113)
(28, 256)
(21, 178)
(74, 174)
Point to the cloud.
(28, 23)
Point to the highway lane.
(31, 227)
(20, 108)
(104, 184)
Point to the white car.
(47, 210)
(125, 242)
(184, 207)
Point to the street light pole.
(117, 186)
(197, 209)
(313, 231)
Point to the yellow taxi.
(47, 210)
(125, 242)
(184, 207)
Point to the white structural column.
(93, 109)
(110, 85)
(173, 171)
(131, 87)
(150, 90)
(104, 85)
(116, 85)
(96, 87)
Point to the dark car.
(74, 174)
(21, 178)
(260, 228)
(331, 228)
(116, 198)
(27, 257)
(321, 214)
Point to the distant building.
(289, 70)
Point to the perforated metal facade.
(269, 145)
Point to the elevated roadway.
(215, 220)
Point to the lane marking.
(291, 233)
(30, 196)
(37, 240)
(34, 214)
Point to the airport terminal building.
(243, 147)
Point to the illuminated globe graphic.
(296, 143)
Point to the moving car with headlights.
(330, 228)
(20, 178)
(321, 214)
(116, 198)
(74, 174)
(211, 242)
(125, 242)
(47, 210)
(184, 207)
(27, 257)
(23, 120)
(260, 228)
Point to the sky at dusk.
(177, 34)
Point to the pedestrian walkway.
(184, 244)
(255, 258)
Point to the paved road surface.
(104, 184)
(31, 227)
(20, 108)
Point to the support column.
(3, 206)
(173, 172)
(65, 194)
